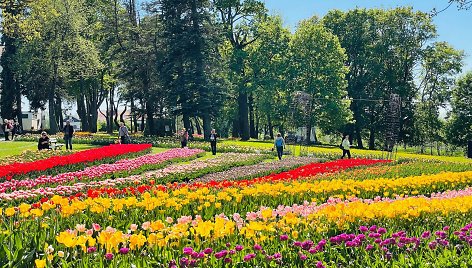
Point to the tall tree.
(383, 47)
(318, 62)
(440, 65)
(459, 128)
(239, 19)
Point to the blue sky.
(453, 26)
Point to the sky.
(453, 26)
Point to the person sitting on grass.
(43, 143)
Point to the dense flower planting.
(7, 172)
(123, 166)
(172, 172)
(245, 172)
(343, 213)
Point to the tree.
(10, 95)
(318, 62)
(459, 126)
(268, 62)
(238, 19)
(440, 64)
(383, 47)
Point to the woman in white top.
(346, 146)
(123, 133)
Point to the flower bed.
(122, 167)
(176, 172)
(72, 161)
(261, 169)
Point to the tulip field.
(123, 206)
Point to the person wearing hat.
(68, 133)
(43, 142)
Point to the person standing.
(279, 144)
(346, 146)
(213, 137)
(16, 129)
(68, 133)
(183, 138)
(6, 129)
(123, 133)
(43, 143)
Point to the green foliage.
(318, 69)
(459, 129)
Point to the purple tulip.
(381, 230)
(363, 229)
(373, 228)
(184, 262)
(239, 248)
(124, 251)
(109, 256)
(426, 235)
(257, 247)
(228, 260)
(208, 251)
(303, 257)
(249, 257)
(91, 249)
(277, 256)
(369, 247)
(188, 251)
(446, 228)
(432, 245)
(320, 265)
(283, 237)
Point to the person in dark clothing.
(43, 142)
(6, 129)
(16, 129)
(183, 138)
(213, 137)
(279, 144)
(68, 133)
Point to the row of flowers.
(31, 156)
(229, 200)
(261, 169)
(10, 171)
(175, 172)
(251, 239)
(121, 167)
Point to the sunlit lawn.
(9, 148)
(296, 149)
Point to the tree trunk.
(51, 103)
(243, 116)
(59, 115)
(308, 131)
(150, 119)
(252, 125)
(111, 104)
(8, 84)
(186, 121)
(258, 119)
(357, 125)
(197, 125)
(372, 139)
(206, 126)
(271, 127)
(81, 111)
(235, 129)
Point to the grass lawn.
(296, 149)
(9, 148)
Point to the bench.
(53, 145)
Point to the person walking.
(68, 133)
(6, 129)
(213, 137)
(123, 133)
(346, 146)
(43, 142)
(183, 138)
(279, 144)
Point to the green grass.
(10, 148)
(296, 149)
